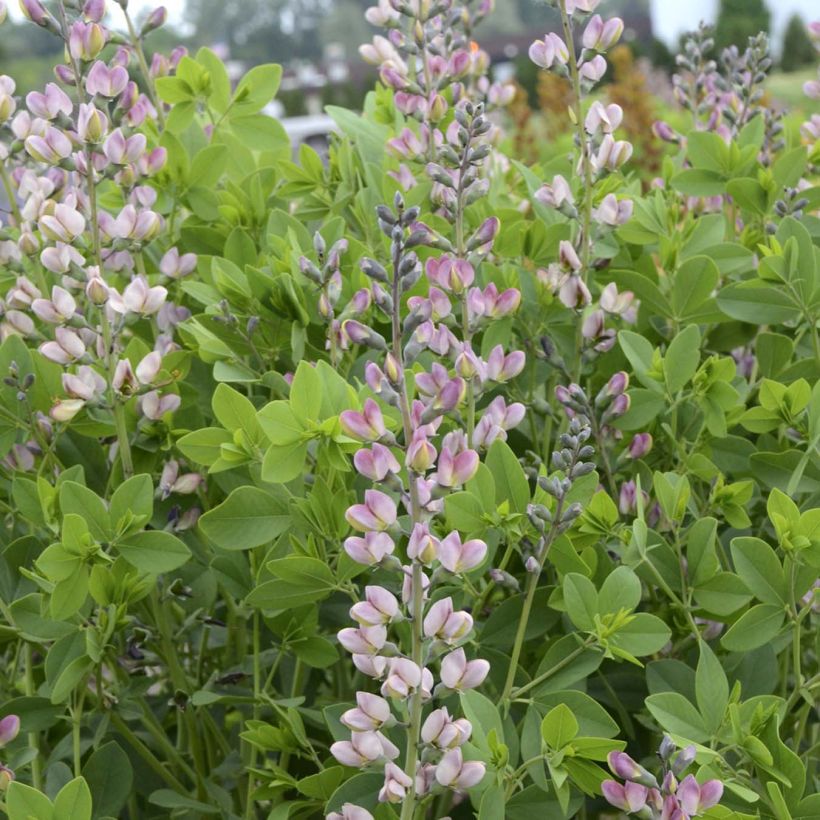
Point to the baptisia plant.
(429, 377)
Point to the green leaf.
(257, 88)
(645, 634)
(109, 775)
(492, 803)
(760, 569)
(483, 714)
(306, 392)
(510, 482)
(758, 303)
(581, 600)
(283, 463)
(754, 628)
(280, 424)
(464, 512)
(316, 651)
(722, 594)
(299, 569)
(639, 351)
(74, 800)
(682, 359)
(559, 727)
(593, 719)
(75, 498)
(203, 446)
(620, 590)
(153, 551)
(25, 803)
(133, 502)
(677, 715)
(208, 165)
(711, 688)
(167, 799)
(695, 281)
(247, 518)
(699, 182)
(235, 411)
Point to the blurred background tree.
(798, 50)
(738, 20)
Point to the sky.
(671, 17)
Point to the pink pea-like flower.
(456, 469)
(612, 211)
(421, 454)
(446, 624)
(366, 640)
(363, 748)
(373, 548)
(460, 557)
(370, 714)
(138, 297)
(405, 677)
(453, 772)
(121, 150)
(376, 463)
(695, 799)
(50, 103)
(422, 546)
(64, 225)
(600, 35)
(66, 348)
(629, 797)
(365, 426)
(604, 118)
(155, 407)
(57, 310)
(555, 194)
(91, 123)
(377, 513)
(105, 81)
(86, 40)
(379, 607)
(86, 384)
(441, 731)
(458, 674)
(396, 784)
(374, 666)
(350, 812)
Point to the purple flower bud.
(155, 19)
(458, 674)
(684, 760)
(35, 12)
(640, 445)
(626, 768)
(665, 132)
(9, 729)
(94, 10)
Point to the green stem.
(250, 808)
(532, 585)
(146, 754)
(76, 729)
(586, 170)
(33, 740)
(517, 693)
(136, 42)
(414, 728)
(15, 209)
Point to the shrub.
(420, 483)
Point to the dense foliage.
(416, 483)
